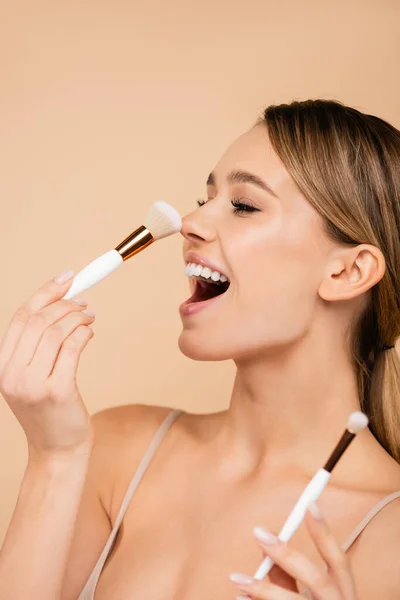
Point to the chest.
(181, 542)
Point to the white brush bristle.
(357, 421)
(162, 220)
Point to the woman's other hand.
(335, 583)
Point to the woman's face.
(273, 257)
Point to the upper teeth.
(194, 270)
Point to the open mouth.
(206, 289)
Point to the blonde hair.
(347, 165)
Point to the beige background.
(108, 106)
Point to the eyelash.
(240, 207)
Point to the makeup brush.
(357, 421)
(161, 221)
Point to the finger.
(68, 359)
(49, 292)
(50, 344)
(330, 550)
(298, 566)
(261, 590)
(34, 330)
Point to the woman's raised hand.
(39, 357)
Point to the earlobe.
(352, 273)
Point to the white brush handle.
(311, 493)
(94, 272)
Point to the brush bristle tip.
(162, 220)
(357, 421)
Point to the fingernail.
(80, 301)
(63, 277)
(241, 579)
(89, 313)
(243, 598)
(315, 511)
(265, 536)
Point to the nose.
(197, 226)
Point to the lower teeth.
(219, 282)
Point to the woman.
(302, 218)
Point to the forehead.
(253, 152)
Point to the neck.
(288, 411)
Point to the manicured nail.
(63, 277)
(265, 536)
(315, 511)
(241, 579)
(89, 313)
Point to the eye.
(243, 207)
(240, 207)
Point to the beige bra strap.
(88, 591)
(374, 511)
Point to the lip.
(193, 257)
(188, 308)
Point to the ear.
(352, 272)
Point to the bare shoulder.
(126, 429)
(132, 425)
(374, 556)
(375, 563)
(117, 422)
(122, 434)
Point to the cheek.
(268, 276)
(276, 258)
(274, 291)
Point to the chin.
(192, 346)
(199, 345)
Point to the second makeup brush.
(357, 421)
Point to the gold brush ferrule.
(135, 242)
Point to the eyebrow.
(237, 176)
